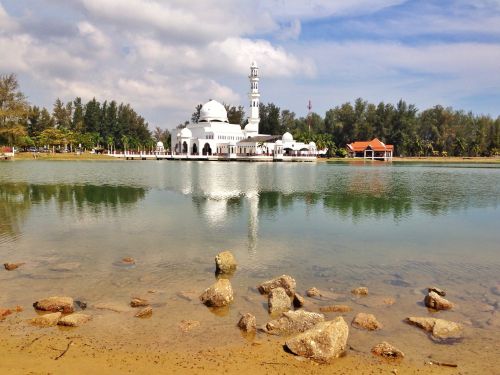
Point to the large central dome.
(213, 111)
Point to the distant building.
(213, 135)
(374, 150)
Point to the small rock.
(145, 312)
(225, 262)
(293, 322)
(441, 292)
(323, 342)
(247, 323)
(47, 320)
(286, 282)
(366, 321)
(436, 302)
(139, 302)
(55, 304)
(12, 266)
(218, 295)
(74, 320)
(313, 292)
(386, 350)
(128, 260)
(81, 304)
(188, 325)
(440, 329)
(298, 301)
(278, 301)
(361, 291)
(335, 308)
(4, 313)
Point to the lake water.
(395, 228)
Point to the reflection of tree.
(16, 200)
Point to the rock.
(286, 282)
(247, 323)
(366, 321)
(218, 295)
(361, 291)
(139, 302)
(188, 295)
(293, 322)
(298, 300)
(128, 260)
(145, 312)
(323, 342)
(47, 320)
(441, 292)
(386, 350)
(225, 262)
(188, 325)
(4, 313)
(278, 301)
(12, 266)
(440, 329)
(55, 304)
(74, 320)
(112, 307)
(81, 304)
(436, 302)
(335, 308)
(313, 292)
(389, 301)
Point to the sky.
(165, 57)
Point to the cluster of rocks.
(56, 307)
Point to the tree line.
(73, 124)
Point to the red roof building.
(374, 150)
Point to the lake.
(396, 228)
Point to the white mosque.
(214, 138)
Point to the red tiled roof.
(375, 144)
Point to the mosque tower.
(252, 128)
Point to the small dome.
(312, 145)
(159, 144)
(186, 133)
(213, 111)
(287, 137)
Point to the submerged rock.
(65, 267)
(139, 302)
(225, 262)
(74, 320)
(12, 266)
(55, 304)
(218, 295)
(322, 343)
(248, 323)
(360, 291)
(313, 292)
(278, 301)
(293, 322)
(188, 295)
(366, 321)
(115, 307)
(47, 320)
(439, 291)
(284, 281)
(386, 350)
(335, 308)
(188, 325)
(440, 329)
(436, 302)
(144, 313)
(128, 260)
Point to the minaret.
(252, 128)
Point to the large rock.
(323, 342)
(366, 321)
(225, 262)
(74, 320)
(55, 304)
(47, 320)
(218, 295)
(386, 350)
(248, 323)
(436, 302)
(284, 281)
(440, 329)
(278, 301)
(294, 322)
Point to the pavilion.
(374, 150)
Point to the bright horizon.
(165, 58)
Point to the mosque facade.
(213, 137)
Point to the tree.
(195, 117)
(235, 115)
(14, 110)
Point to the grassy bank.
(64, 156)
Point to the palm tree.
(125, 141)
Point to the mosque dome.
(213, 111)
(287, 137)
(312, 145)
(186, 133)
(159, 144)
